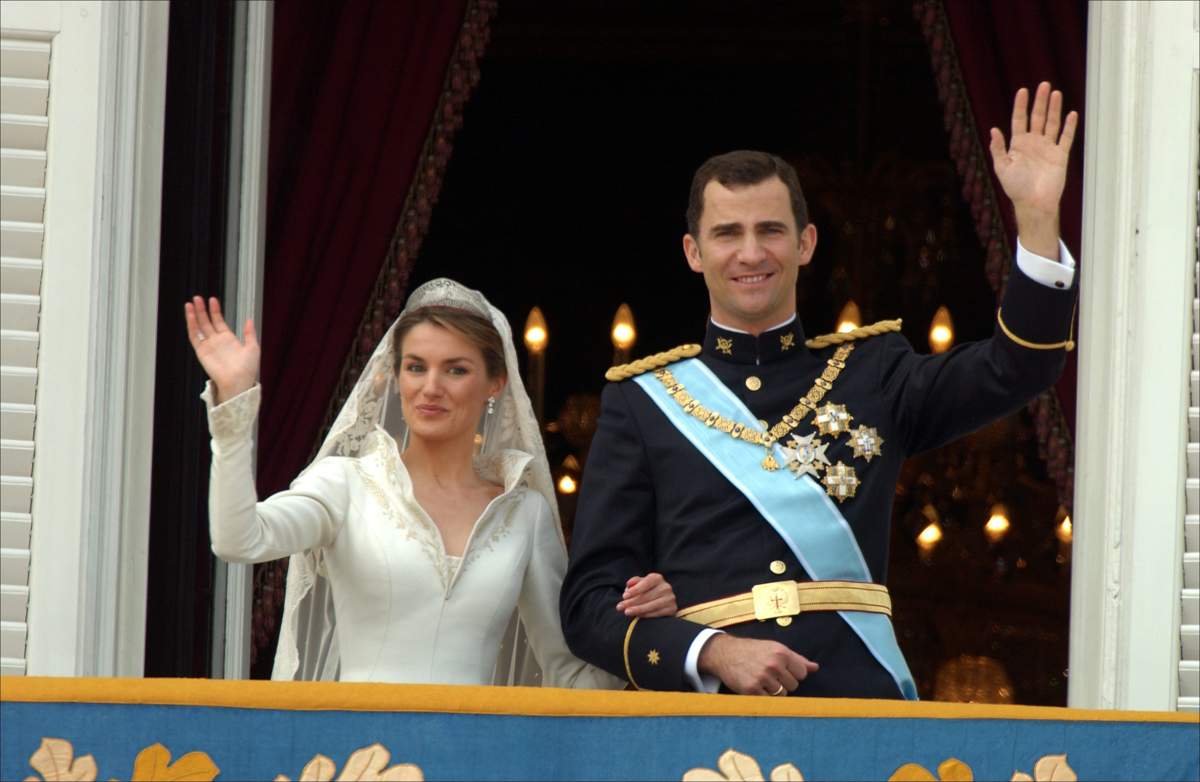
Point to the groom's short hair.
(742, 168)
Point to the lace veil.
(307, 640)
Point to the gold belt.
(788, 598)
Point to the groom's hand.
(1032, 169)
(752, 667)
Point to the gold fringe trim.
(862, 332)
(363, 697)
(1067, 344)
(656, 361)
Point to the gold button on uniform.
(753, 383)
(783, 621)
(778, 567)
(764, 424)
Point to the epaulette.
(656, 361)
(862, 332)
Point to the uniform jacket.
(651, 502)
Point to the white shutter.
(24, 98)
(1189, 617)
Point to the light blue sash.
(799, 510)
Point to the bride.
(418, 533)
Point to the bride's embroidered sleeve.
(307, 515)
(538, 606)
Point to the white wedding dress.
(371, 593)
(406, 611)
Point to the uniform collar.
(738, 347)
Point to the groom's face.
(750, 252)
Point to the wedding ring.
(779, 691)
(200, 336)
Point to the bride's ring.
(779, 691)
(200, 336)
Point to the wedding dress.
(371, 593)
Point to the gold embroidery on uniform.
(725, 345)
(628, 668)
(653, 657)
(1068, 344)
(786, 341)
(772, 434)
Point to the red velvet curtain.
(366, 97)
(354, 89)
(983, 51)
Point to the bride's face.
(443, 382)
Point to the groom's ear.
(691, 251)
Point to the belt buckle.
(775, 599)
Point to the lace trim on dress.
(452, 565)
(233, 419)
(380, 462)
(388, 483)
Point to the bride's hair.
(477, 329)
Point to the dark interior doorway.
(567, 190)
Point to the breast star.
(867, 443)
(832, 419)
(841, 482)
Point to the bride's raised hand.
(230, 363)
(648, 596)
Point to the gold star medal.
(867, 443)
(832, 419)
(805, 457)
(840, 481)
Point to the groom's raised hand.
(1032, 168)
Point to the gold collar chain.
(749, 433)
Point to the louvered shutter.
(24, 94)
(1189, 630)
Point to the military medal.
(808, 457)
(832, 419)
(840, 481)
(867, 443)
(805, 457)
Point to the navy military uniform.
(651, 502)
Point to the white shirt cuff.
(701, 682)
(1042, 270)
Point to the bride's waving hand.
(230, 363)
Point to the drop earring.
(491, 408)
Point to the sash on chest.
(798, 509)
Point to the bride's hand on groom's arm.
(230, 363)
(648, 596)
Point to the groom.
(757, 472)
